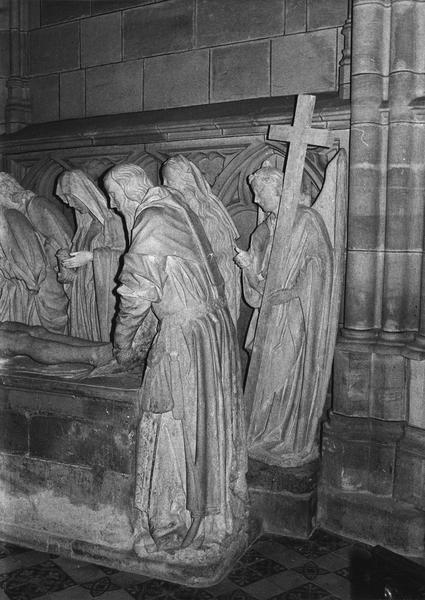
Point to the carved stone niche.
(68, 449)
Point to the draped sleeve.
(253, 278)
(142, 282)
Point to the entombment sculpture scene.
(123, 284)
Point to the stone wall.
(4, 60)
(109, 56)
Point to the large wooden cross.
(299, 135)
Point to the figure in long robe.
(93, 260)
(191, 458)
(284, 426)
(32, 230)
(183, 175)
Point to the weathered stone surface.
(363, 289)
(220, 21)
(92, 486)
(240, 71)
(45, 98)
(101, 6)
(368, 219)
(284, 513)
(297, 480)
(54, 11)
(114, 88)
(402, 285)
(351, 382)
(41, 499)
(13, 432)
(73, 403)
(388, 388)
(377, 521)
(408, 19)
(409, 479)
(381, 468)
(416, 392)
(326, 13)
(72, 95)
(405, 185)
(54, 49)
(3, 99)
(366, 95)
(101, 40)
(358, 454)
(34, 15)
(85, 443)
(305, 62)
(4, 16)
(186, 81)
(295, 16)
(359, 465)
(4, 52)
(409, 483)
(355, 464)
(284, 500)
(158, 28)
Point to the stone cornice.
(207, 121)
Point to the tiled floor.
(277, 568)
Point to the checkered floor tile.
(274, 568)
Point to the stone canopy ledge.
(212, 120)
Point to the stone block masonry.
(109, 57)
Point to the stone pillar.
(4, 59)
(345, 62)
(375, 439)
(18, 109)
(387, 188)
(368, 165)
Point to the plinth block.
(284, 499)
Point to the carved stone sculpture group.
(150, 275)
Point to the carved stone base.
(189, 567)
(372, 519)
(67, 456)
(284, 499)
(371, 487)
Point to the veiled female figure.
(32, 229)
(184, 176)
(93, 261)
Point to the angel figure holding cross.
(294, 272)
(280, 430)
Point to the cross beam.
(299, 135)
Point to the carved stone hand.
(78, 259)
(243, 259)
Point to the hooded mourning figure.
(93, 261)
(183, 175)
